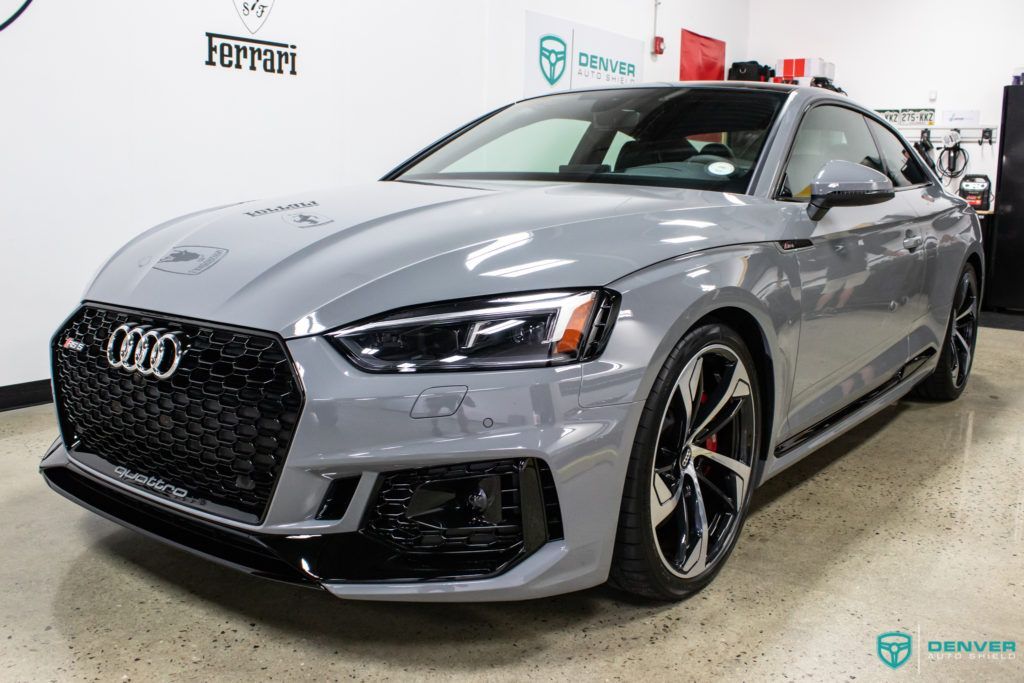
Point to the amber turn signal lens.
(576, 329)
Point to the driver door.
(857, 276)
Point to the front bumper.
(358, 428)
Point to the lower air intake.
(469, 519)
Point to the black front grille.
(219, 427)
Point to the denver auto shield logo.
(251, 54)
(894, 648)
(553, 54)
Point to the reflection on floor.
(1002, 320)
(914, 522)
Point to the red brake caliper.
(712, 441)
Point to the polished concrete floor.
(913, 522)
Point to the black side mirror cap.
(844, 183)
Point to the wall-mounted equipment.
(953, 159)
(658, 42)
(925, 148)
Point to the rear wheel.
(692, 470)
(957, 355)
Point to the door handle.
(912, 242)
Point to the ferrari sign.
(561, 54)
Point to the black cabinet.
(1005, 286)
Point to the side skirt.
(793, 449)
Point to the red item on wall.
(701, 58)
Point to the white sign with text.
(561, 54)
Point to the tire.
(950, 377)
(688, 450)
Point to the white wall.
(112, 122)
(890, 54)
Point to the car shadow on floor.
(503, 632)
(823, 458)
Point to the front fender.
(660, 303)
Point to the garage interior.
(912, 522)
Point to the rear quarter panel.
(952, 234)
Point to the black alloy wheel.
(693, 468)
(957, 356)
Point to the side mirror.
(844, 183)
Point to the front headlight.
(514, 331)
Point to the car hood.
(302, 264)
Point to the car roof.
(801, 93)
(805, 90)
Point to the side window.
(537, 147)
(900, 165)
(827, 133)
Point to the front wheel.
(950, 377)
(692, 470)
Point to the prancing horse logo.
(894, 649)
(552, 58)
(179, 255)
(304, 219)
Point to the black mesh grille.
(460, 541)
(389, 520)
(219, 427)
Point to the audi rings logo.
(144, 350)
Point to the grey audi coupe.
(561, 346)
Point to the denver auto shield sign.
(562, 54)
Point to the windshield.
(701, 138)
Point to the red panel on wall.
(701, 58)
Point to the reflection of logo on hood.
(179, 255)
(253, 13)
(552, 58)
(894, 649)
(304, 219)
(282, 207)
(11, 10)
(190, 260)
